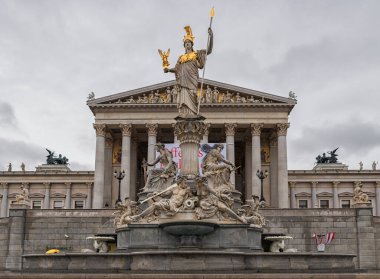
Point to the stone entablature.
(334, 187)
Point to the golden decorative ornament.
(188, 57)
(189, 35)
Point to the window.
(324, 204)
(37, 204)
(79, 204)
(302, 203)
(346, 203)
(58, 204)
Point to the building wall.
(4, 236)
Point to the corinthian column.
(283, 189)
(377, 198)
(206, 132)
(47, 195)
(68, 195)
(230, 141)
(152, 139)
(273, 173)
(256, 157)
(126, 130)
(4, 201)
(335, 194)
(99, 166)
(314, 202)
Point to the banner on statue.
(176, 151)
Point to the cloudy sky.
(53, 53)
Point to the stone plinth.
(189, 131)
(332, 166)
(53, 168)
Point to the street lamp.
(262, 175)
(119, 176)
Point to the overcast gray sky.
(53, 53)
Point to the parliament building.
(252, 125)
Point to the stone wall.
(354, 231)
(357, 231)
(4, 235)
(47, 228)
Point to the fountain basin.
(189, 228)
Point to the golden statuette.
(164, 55)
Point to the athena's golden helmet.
(189, 35)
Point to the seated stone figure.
(125, 211)
(215, 202)
(23, 197)
(359, 195)
(160, 179)
(215, 168)
(178, 194)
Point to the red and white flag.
(329, 237)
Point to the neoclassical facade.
(252, 124)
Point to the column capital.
(100, 129)
(292, 184)
(126, 130)
(377, 183)
(4, 185)
(25, 185)
(230, 128)
(256, 129)
(89, 185)
(314, 183)
(336, 183)
(47, 185)
(68, 185)
(282, 129)
(152, 129)
(207, 129)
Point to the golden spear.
(212, 13)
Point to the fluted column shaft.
(314, 202)
(230, 141)
(248, 169)
(126, 130)
(273, 173)
(68, 195)
(47, 195)
(293, 202)
(377, 198)
(4, 201)
(89, 196)
(152, 140)
(256, 157)
(108, 175)
(335, 194)
(98, 194)
(283, 188)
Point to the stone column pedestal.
(189, 132)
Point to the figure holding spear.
(187, 75)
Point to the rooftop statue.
(332, 159)
(186, 72)
(54, 160)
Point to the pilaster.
(256, 157)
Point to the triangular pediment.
(214, 94)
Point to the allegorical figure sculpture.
(250, 212)
(187, 75)
(213, 201)
(23, 197)
(54, 160)
(177, 193)
(215, 167)
(359, 195)
(332, 159)
(125, 211)
(159, 179)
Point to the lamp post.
(262, 175)
(119, 176)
